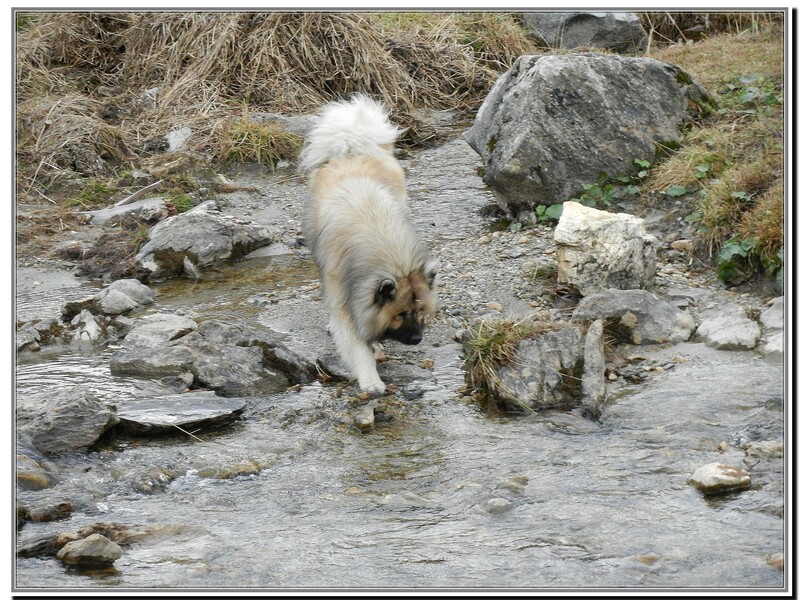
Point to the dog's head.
(405, 303)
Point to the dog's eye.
(404, 315)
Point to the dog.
(378, 280)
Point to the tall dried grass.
(204, 68)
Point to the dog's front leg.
(356, 354)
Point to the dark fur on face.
(404, 306)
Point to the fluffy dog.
(378, 280)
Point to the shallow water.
(444, 495)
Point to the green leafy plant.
(734, 260)
(548, 214)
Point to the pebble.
(497, 506)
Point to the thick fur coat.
(377, 277)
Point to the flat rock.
(729, 328)
(190, 411)
(636, 316)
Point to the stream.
(442, 495)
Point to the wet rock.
(547, 372)
(231, 359)
(598, 250)
(46, 544)
(119, 297)
(618, 31)
(729, 328)
(406, 498)
(716, 478)
(169, 361)
(553, 123)
(231, 472)
(636, 316)
(50, 512)
(497, 506)
(155, 330)
(27, 338)
(93, 550)
(203, 235)
(275, 353)
(118, 533)
(593, 382)
(157, 479)
(364, 417)
(65, 420)
(188, 411)
(515, 485)
(775, 560)
(31, 475)
(231, 370)
(764, 449)
(86, 328)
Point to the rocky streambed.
(297, 481)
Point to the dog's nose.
(415, 339)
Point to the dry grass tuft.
(245, 140)
(66, 133)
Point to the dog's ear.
(430, 271)
(385, 291)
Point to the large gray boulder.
(598, 250)
(192, 241)
(555, 122)
(618, 31)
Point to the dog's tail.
(359, 126)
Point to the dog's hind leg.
(357, 355)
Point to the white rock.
(598, 250)
(716, 478)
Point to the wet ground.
(439, 493)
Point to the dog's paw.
(373, 388)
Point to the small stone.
(494, 306)
(764, 449)
(716, 478)
(683, 246)
(498, 506)
(365, 418)
(92, 550)
(775, 560)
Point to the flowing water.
(443, 495)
